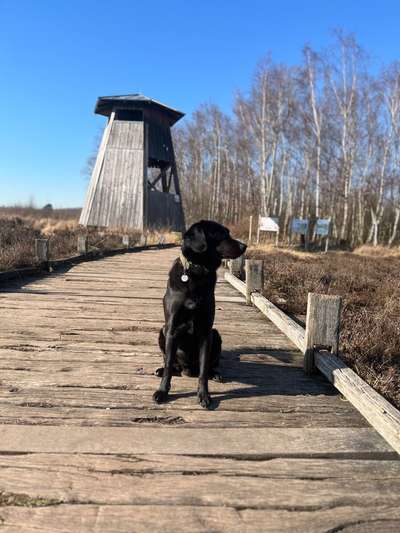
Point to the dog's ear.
(195, 239)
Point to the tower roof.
(105, 105)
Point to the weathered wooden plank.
(46, 413)
(118, 397)
(118, 519)
(184, 441)
(310, 469)
(273, 492)
(122, 519)
(128, 484)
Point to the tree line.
(314, 140)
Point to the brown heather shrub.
(17, 238)
(18, 233)
(370, 287)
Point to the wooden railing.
(84, 253)
(319, 343)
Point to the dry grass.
(378, 251)
(370, 287)
(19, 227)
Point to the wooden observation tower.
(134, 183)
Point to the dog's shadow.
(264, 373)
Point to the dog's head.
(208, 242)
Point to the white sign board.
(322, 227)
(300, 225)
(268, 224)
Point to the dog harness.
(187, 265)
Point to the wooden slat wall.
(96, 173)
(118, 198)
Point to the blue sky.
(57, 56)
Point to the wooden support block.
(322, 327)
(236, 266)
(254, 277)
(82, 244)
(42, 250)
(125, 241)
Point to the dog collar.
(186, 267)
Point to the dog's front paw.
(159, 372)
(160, 396)
(204, 399)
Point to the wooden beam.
(152, 184)
(170, 178)
(236, 282)
(287, 325)
(164, 180)
(379, 412)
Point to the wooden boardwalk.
(83, 448)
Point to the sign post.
(300, 225)
(270, 224)
(322, 228)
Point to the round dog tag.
(185, 278)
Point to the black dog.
(188, 341)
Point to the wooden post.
(236, 266)
(258, 229)
(250, 229)
(125, 241)
(254, 277)
(322, 327)
(42, 250)
(82, 244)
